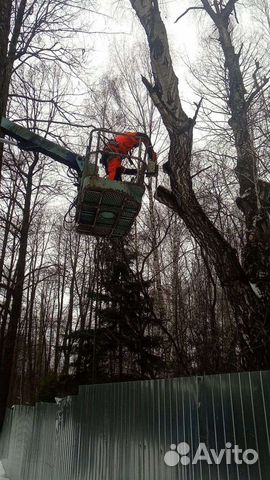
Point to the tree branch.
(200, 171)
(157, 100)
(164, 93)
(229, 8)
(257, 86)
(198, 106)
(186, 11)
(166, 197)
(158, 244)
(257, 90)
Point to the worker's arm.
(149, 148)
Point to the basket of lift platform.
(107, 208)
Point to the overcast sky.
(184, 36)
(121, 18)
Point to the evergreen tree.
(124, 341)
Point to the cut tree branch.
(165, 196)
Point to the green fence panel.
(20, 437)
(200, 428)
(67, 439)
(39, 463)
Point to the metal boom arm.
(32, 142)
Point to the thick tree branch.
(157, 100)
(5, 16)
(165, 90)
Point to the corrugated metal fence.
(200, 428)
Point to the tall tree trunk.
(8, 51)
(67, 341)
(5, 15)
(254, 193)
(5, 311)
(61, 279)
(10, 340)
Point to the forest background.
(187, 291)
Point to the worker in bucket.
(121, 146)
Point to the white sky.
(183, 36)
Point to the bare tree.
(249, 309)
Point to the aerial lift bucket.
(107, 208)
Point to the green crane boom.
(32, 142)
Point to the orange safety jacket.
(123, 144)
(128, 141)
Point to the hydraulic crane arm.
(30, 141)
